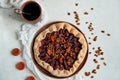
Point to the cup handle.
(18, 11)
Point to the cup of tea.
(30, 11)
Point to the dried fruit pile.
(60, 49)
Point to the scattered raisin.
(76, 4)
(89, 43)
(101, 58)
(68, 13)
(87, 73)
(98, 66)
(94, 71)
(95, 38)
(95, 61)
(108, 34)
(86, 22)
(92, 8)
(104, 64)
(102, 31)
(89, 52)
(92, 76)
(85, 13)
(93, 48)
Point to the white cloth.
(10, 3)
(25, 35)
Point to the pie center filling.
(60, 49)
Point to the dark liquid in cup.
(32, 11)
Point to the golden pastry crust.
(81, 55)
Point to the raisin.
(73, 55)
(63, 41)
(43, 42)
(61, 67)
(65, 64)
(77, 49)
(42, 55)
(60, 31)
(49, 61)
(67, 34)
(71, 37)
(52, 63)
(75, 39)
(46, 58)
(87, 73)
(66, 31)
(63, 31)
(65, 46)
(69, 62)
(48, 35)
(56, 66)
(76, 44)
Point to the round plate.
(41, 69)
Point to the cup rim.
(31, 21)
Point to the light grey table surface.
(106, 16)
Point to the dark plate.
(42, 69)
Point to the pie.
(60, 49)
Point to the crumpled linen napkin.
(10, 3)
(25, 35)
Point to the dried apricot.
(16, 51)
(30, 78)
(20, 65)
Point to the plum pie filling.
(60, 49)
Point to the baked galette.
(60, 49)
